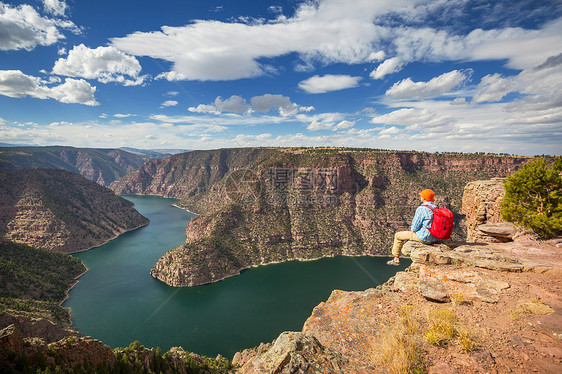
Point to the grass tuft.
(458, 299)
(440, 326)
(533, 306)
(466, 339)
(400, 349)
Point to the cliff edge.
(459, 308)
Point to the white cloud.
(106, 64)
(22, 27)
(204, 108)
(55, 7)
(329, 31)
(392, 65)
(120, 115)
(234, 104)
(263, 103)
(408, 89)
(338, 31)
(344, 125)
(376, 56)
(268, 102)
(415, 118)
(327, 83)
(459, 101)
(323, 121)
(529, 124)
(171, 76)
(493, 87)
(73, 91)
(523, 48)
(390, 131)
(169, 103)
(277, 9)
(14, 83)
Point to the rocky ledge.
(503, 299)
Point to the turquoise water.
(117, 301)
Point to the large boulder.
(296, 352)
(481, 205)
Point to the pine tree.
(533, 197)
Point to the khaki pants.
(402, 237)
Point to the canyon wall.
(62, 211)
(261, 205)
(100, 165)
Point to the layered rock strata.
(59, 210)
(260, 206)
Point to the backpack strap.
(427, 206)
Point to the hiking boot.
(393, 262)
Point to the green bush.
(533, 197)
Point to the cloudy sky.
(432, 75)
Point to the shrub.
(533, 197)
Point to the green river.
(118, 301)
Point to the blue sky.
(437, 75)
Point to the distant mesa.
(61, 211)
(98, 164)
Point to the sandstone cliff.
(260, 206)
(100, 165)
(62, 211)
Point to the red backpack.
(442, 225)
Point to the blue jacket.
(422, 221)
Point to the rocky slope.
(31, 345)
(100, 165)
(62, 211)
(260, 205)
(459, 308)
(34, 282)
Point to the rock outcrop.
(296, 352)
(62, 211)
(505, 294)
(481, 205)
(260, 206)
(100, 165)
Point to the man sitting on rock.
(420, 226)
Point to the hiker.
(420, 226)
